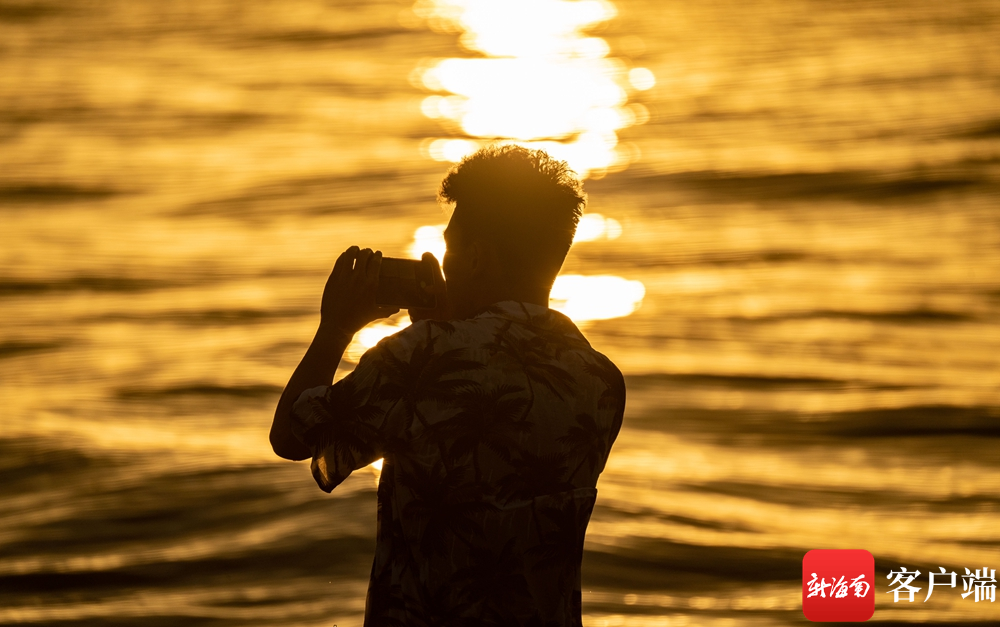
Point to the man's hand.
(349, 297)
(442, 309)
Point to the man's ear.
(493, 266)
(484, 261)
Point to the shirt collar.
(534, 315)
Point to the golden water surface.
(791, 249)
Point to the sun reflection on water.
(539, 80)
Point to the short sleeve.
(344, 425)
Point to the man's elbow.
(287, 446)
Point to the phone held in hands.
(404, 283)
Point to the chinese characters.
(838, 588)
(981, 583)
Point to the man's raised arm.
(318, 366)
(348, 305)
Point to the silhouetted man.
(493, 413)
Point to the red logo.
(838, 585)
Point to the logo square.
(838, 585)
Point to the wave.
(385, 194)
(363, 36)
(701, 523)
(911, 316)
(16, 287)
(862, 186)
(667, 258)
(207, 317)
(809, 497)
(985, 130)
(743, 382)
(109, 525)
(691, 257)
(658, 564)
(742, 427)
(52, 193)
(22, 12)
(14, 348)
(27, 463)
(260, 390)
(924, 421)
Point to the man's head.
(516, 212)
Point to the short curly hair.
(522, 201)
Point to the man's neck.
(537, 297)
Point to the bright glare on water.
(542, 82)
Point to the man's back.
(493, 431)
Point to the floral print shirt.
(493, 430)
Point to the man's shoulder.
(439, 336)
(435, 335)
(601, 365)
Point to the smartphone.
(404, 283)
